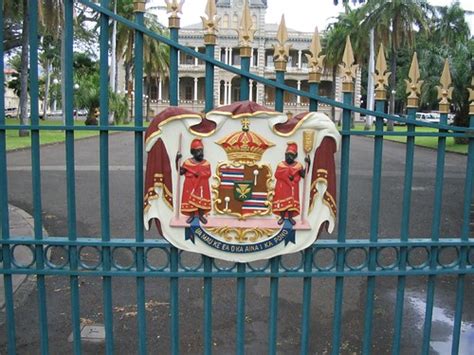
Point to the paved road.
(157, 291)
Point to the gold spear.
(308, 142)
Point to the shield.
(243, 190)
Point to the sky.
(302, 15)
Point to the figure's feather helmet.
(292, 147)
(197, 144)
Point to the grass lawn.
(46, 137)
(428, 142)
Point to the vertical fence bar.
(209, 102)
(36, 174)
(465, 232)
(374, 226)
(139, 9)
(70, 172)
(405, 229)
(435, 231)
(313, 90)
(313, 80)
(244, 81)
(173, 84)
(174, 301)
(174, 24)
(306, 310)
(341, 231)
(241, 286)
(209, 40)
(273, 319)
(104, 176)
(5, 223)
(279, 94)
(207, 306)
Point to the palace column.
(298, 86)
(160, 92)
(226, 89)
(195, 89)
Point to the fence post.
(104, 177)
(315, 63)
(348, 69)
(381, 97)
(210, 25)
(139, 10)
(468, 199)
(5, 223)
(246, 33)
(173, 7)
(445, 94)
(413, 87)
(280, 58)
(174, 24)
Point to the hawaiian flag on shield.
(243, 189)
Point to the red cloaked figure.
(286, 201)
(196, 197)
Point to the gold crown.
(244, 146)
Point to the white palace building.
(227, 85)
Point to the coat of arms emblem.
(242, 182)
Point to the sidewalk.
(21, 224)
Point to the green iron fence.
(173, 269)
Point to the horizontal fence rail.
(338, 252)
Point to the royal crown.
(244, 146)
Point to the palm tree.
(156, 54)
(450, 25)
(347, 24)
(396, 22)
(156, 57)
(450, 38)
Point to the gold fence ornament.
(414, 83)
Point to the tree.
(156, 57)
(88, 97)
(450, 25)
(396, 23)
(347, 24)
(48, 56)
(449, 38)
(156, 54)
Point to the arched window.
(225, 21)
(254, 22)
(235, 21)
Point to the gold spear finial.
(348, 68)
(173, 8)
(139, 5)
(281, 50)
(413, 83)
(445, 91)
(246, 32)
(471, 97)
(315, 61)
(210, 23)
(381, 75)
